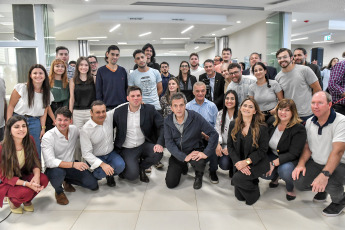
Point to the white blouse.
(223, 137)
(22, 106)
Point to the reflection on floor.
(140, 206)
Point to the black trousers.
(246, 187)
(134, 164)
(339, 108)
(176, 168)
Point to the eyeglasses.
(283, 57)
(234, 73)
(184, 66)
(92, 63)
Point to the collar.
(135, 111)
(162, 75)
(184, 119)
(195, 103)
(214, 75)
(330, 120)
(59, 134)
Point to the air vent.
(136, 19)
(200, 43)
(178, 19)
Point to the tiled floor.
(152, 206)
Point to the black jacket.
(291, 143)
(316, 70)
(180, 145)
(184, 86)
(218, 91)
(260, 163)
(271, 72)
(150, 121)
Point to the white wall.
(72, 47)
(206, 54)
(330, 51)
(249, 40)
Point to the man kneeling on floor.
(183, 139)
(96, 140)
(58, 145)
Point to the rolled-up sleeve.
(87, 150)
(48, 151)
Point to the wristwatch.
(326, 173)
(248, 161)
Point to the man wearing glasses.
(239, 83)
(94, 64)
(298, 82)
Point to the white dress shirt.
(56, 148)
(134, 135)
(97, 140)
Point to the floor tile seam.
(141, 206)
(323, 219)
(262, 222)
(197, 208)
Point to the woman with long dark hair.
(186, 80)
(287, 140)
(82, 93)
(247, 147)
(224, 117)
(20, 168)
(266, 92)
(173, 87)
(326, 72)
(32, 100)
(58, 82)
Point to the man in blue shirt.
(111, 80)
(164, 66)
(208, 110)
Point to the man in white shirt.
(96, 140)
(58, 145)
(195, 69)
(136, 124)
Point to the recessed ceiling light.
(93, 40)
(86, 0)
(294, 20)
(323, 41)
(297, 39)
(213, 34)
(238, 21)
(122, 43)
(114, 28)
(189, 28)
(196, 48)
(2, 16)
(49, 37)
(178, 51)
(224, 29)
(169, 54)
(87, 38)
(144, 34)
(7, 23)
(174, 38)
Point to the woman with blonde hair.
(58, 82)
(287, 140)
(247, 147)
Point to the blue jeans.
(285, 173)
(72, 176)
(34, 124)
(114, 160)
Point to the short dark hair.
(193, 54)
(164, 63)
(64, 111)
(97, 102)
(92, 56)
(220, 58)
(234, 65)
(138, 52)
(209, 60)
(177, 96)
(253, 54)
(72, 62)
(301, 49)
(281, 50)
(61, 48)
(226, 49)
(133, 88)
(113, 47)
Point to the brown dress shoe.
(61, 199)
(68, 187)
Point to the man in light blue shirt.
(209, 111)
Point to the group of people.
(271, 126)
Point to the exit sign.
(327, 38)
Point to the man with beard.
(300, 56)
(195, 69)
(164, 66)
(150, 54)
(298, 82)
(226, 56)
(111, 80)
(147, 79)
(94, 64)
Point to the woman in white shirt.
(32, 100)
(224, 117)
(326, 72)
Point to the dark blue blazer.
(151, 122)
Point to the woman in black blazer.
(247, 146)
(287, 139)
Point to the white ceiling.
(163, 18)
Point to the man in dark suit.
(216, 83)
(136, 124)
(254, 58)
(300, 56)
